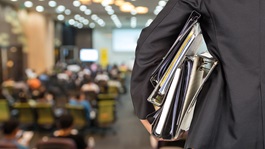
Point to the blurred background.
(72, 57)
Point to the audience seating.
(113, 90)
(91, 96)
(78, 112)
(25, 113)
(107, 97)
(45, 115)
(56, 143)
(4, 110)
(7, 145)
(106, 113)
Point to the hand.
(147, 125)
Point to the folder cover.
(178, 80)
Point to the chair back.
(7, 145)
(45, 114)
(106, 112)
(107, 97)
(91, 96)
(113, 90)
(56, 143)
(25, 113)
(4, 110)
(78, 112)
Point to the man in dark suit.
(230, 111)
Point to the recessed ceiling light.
(28, 4)
(76, 3)
(67, 11)
(60, 17)
(13, 0)
(126, 7)
(110, 12)
(60, 9)
(141, 10)
(40, 8)
(85, 22)
(77, 16)
(162, 3)
(80, 25)
(92, 25)
(94, 17)
(82, 7)
(71, 21)
(149, 21)
(133, 12)
(52, 3)
(88, 12)
(133, 22)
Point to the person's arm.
(153, 43)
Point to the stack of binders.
(178, 80)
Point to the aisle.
(130, 134)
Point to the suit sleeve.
(152, 45)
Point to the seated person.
(90, 86)
(81, 101)
(10, 129)
(66, 130)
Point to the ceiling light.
(107, 2)
(60, 9)
(92, 25)
(71, 21)
(81, 19)
(88, 12)
(126, 7)
(40, 8)
(149, 21)
(82, 7)
(157, 10)
(97, 1)
(76, 3)
(94, 17)
(60, 17)
(111, 12)
(67, 11)
(141, 10)
(85, 2)
(13, 0)
(28, 4)
(52, 3)
(77, 16)
(133, 22)
(80, 25)
(85, 22)
(133, 12)
(162, 3)
(108, 8)
(119, 2)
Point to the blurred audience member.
(10, 130)
(101, 76)
(90, 86)
(114, 82)
(81, 101)
(66, 131)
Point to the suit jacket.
(230, 112)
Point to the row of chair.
(45, 143)
(42, 114)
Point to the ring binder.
(178, 80)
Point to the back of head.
(66, 121)
(10, 126)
